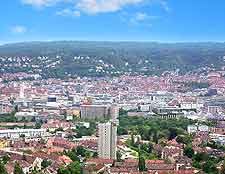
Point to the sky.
(112, 20)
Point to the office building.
(99, 111)
(107, 140)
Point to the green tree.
(223, 168)
(122, 112)
(141, 162)
(72, 168)
(155, 137)
(63, 170)
(122, 131)
(188, 151)
(132, 139)
(209, 167)
(150, 147)
(18, 169)
(45, 163)
(172, 133)
(95, 155)
(5, 159)
(196, 164)
(201, 157)
(72, 154)
(83, 131)
(184, 139)
(2, 168)
(144, 147)
(35, 171)
(80, 151)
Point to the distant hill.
(57, 59)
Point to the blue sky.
(128, 20)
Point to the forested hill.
(101, 58)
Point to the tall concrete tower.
(22, 95)
(107, 140)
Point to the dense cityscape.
(112, 87)
(128, 124)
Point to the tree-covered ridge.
(100, 58)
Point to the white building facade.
(17, 133)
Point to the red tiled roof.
(65, 159)
(155, 161)
(130, 161)
(119, 170)
(100, 161)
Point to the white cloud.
(141, 16)
(164, 5)
(104, 6)
(68, 12)
(88, 6)
(138, 19)
(19, 29)
(93, 7)
(40, 3)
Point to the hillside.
(57, 59)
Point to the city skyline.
(112, 87)
(129, 20)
